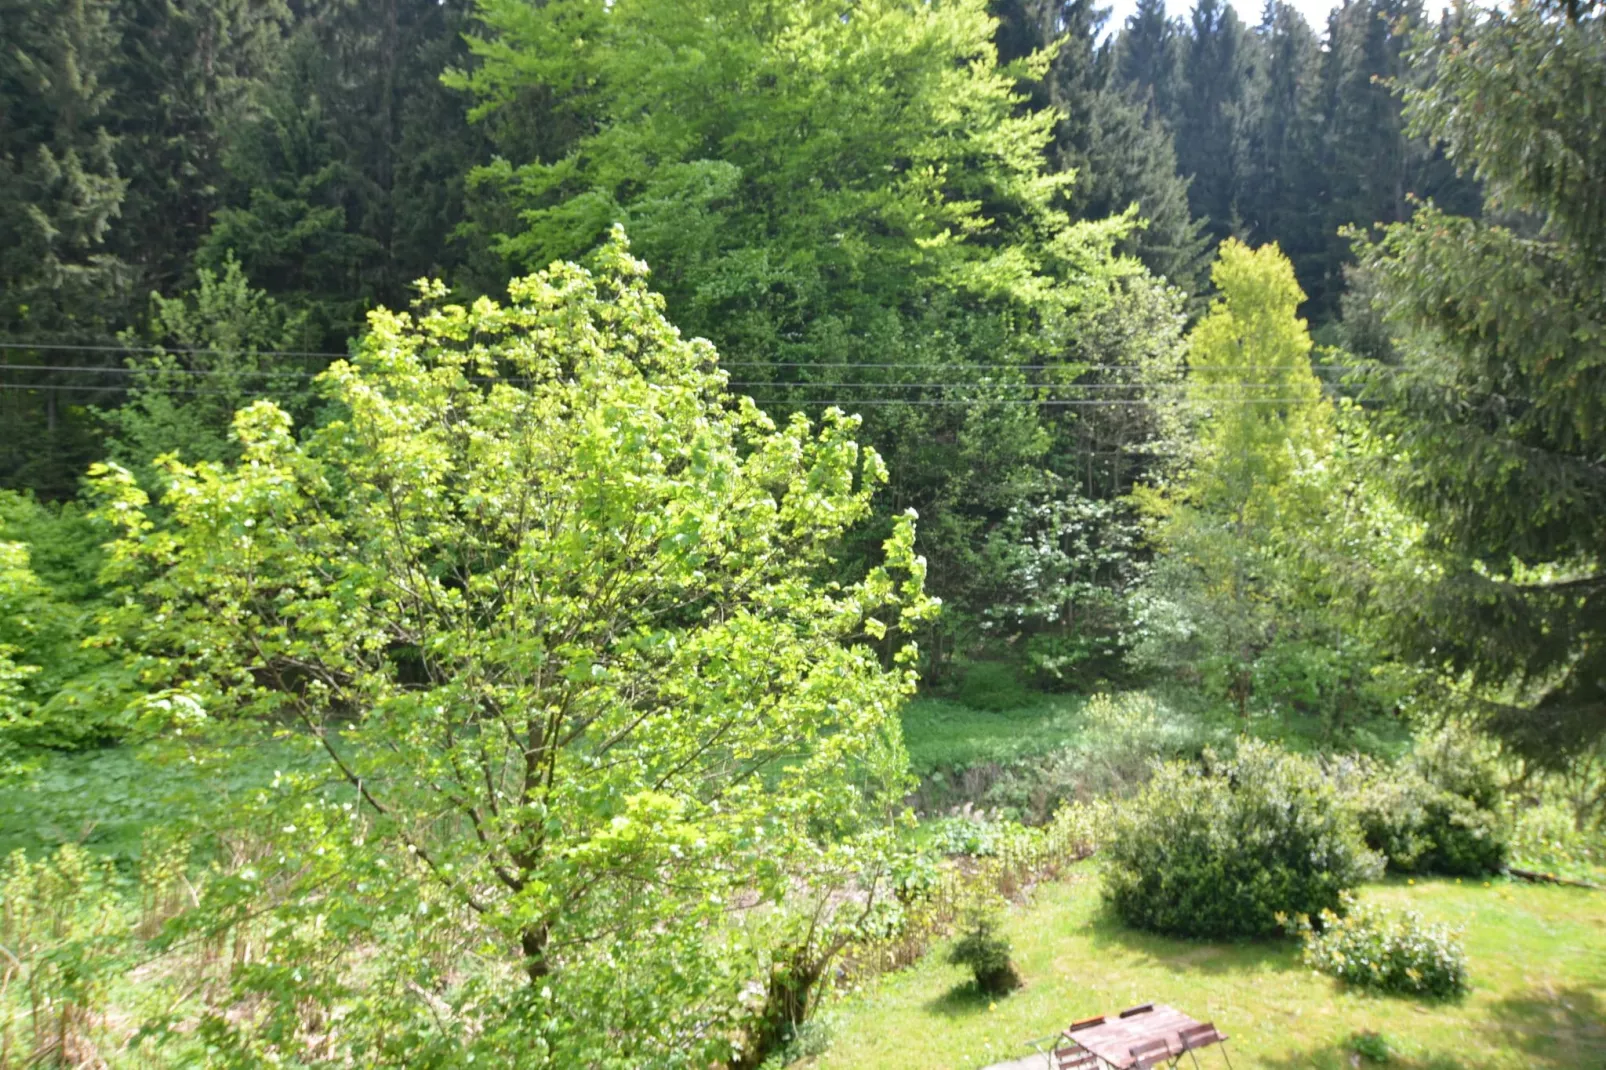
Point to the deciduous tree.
(547, 599)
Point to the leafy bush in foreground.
(545, 573)
(1377, 949)
(1223, 848)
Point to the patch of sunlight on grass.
(1537, 957)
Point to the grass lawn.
(943, 734)
(1537, 961)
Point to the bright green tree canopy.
(547, 597)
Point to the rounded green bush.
(1439, 811)
(1422, 828)
(1229, 847)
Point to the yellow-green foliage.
(1250, 380)
(547, 574)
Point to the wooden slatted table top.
(1113, 1041)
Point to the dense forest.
(494, 494)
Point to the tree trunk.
(534, 941)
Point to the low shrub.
(968, 833)
(985, 952)
(1119, 738)
(1226, 847)
(66, 935)
(1422, 828)
(1386, 952)
(805, 1041)
(1546, 837)
(1438, 811)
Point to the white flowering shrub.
(1386, 951)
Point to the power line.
(200, 351)
(840, 402)
(746, 383)
(74, 347)
(1053, 402)
(286, 373)
(1175, 385)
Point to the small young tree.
(983, 950)
(548, 601)
(226, 338)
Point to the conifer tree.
(1148, 57)
(1281, 186)
(184, 72)
(346, 178)
(1217, 64)
(60, 193)
(1498, 400)
(1120, 152)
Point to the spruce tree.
(1498, 399)
(1119, 150)
(346, 177)
(1281, 186)
(1148, 58)
(60, 192)
(184, 71)
(1217, 65)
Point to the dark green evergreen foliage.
(1119, 150)
(60, 195)
(184, 70)
(346, 176)
(1233, 847)
(62, 189)
(1147, 57)
(1218, 63)
(1498, 398)
(1281, 183)
(985, 952)
(1373, 170)
(142, 140)
(1285, 138)
(1130, 160)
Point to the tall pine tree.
(1120, 151)
(184, 71)
(1498, 396)
(1217, 65)
(346, 177)
(60, 193)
